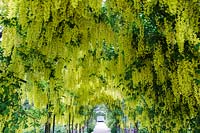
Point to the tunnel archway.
(67, 56)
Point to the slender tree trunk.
(54, 121)
(119, 128)
(79, 128)
(116, 127)
(87, 125)
(69, 122)
(136, 127)
(48, 124)
(67, 130)
(72, 123)
(76, 128)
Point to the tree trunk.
(69, 122)
(76, 128)
(54, 121)
(79, 128)
(72, 123)
(48, 124)
(136, 127)
(87, 125)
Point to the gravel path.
(101, 128)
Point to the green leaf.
(197, 71)
(6, 112)
(26, 126)
(6, 130)
(196, 47)
(197, 81)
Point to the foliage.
(76, 54)
(11, 112)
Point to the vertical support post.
(72, 123)
(69, 122)
(54, 121)
(48, 123)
